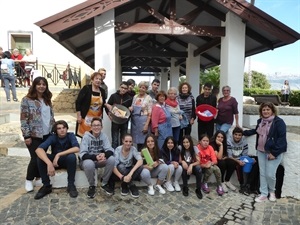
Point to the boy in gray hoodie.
(96, 152)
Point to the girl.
(170, 153)
(190, 163)
(208, 162)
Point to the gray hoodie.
(91, 146)
(237, 149)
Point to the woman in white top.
(285, 91)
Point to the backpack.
(4, 68)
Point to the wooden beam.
(159, 54)
(84, 47)
(212, 11)
(65, 35)
(210, 58)
(146, 63)
(190, 17)
(259, 38)
(213, 43)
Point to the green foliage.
(258, 80)
(211, 75)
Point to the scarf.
(172, 103)
(263, 131)
(184, 96)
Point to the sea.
(277, 82)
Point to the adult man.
(206, 98)
(102, 72)
(95, 152)
(154, 88)
(123, 98)
(64, 145)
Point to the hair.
(1, 48)
(174, 89)
(94, 75)
(156, 148)
(124, 83)
(203, 136)
(191, 148)
(32, 93)
(6, 54)
(209, 85)
(15, 50)
(166, 142)
(96, 119)
(182, 84)
(213, 142)
(126, 135)
(59, 122)
(144, 83)
(101, 69)
(237, 130)
(156, 81)
(226, 86)
(159, 94)
(267, 104)
(131, 81)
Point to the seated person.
(129, 167)
(96, 152)
(237, 146)
(64, 145)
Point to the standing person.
(159, 169)
(29, 59)
(141, 109)
(37, 119)
(8, 76)
(96, 152)
(154, 88)
(206, 127)
(102, 72)
(1, 55)
(131, 85)
(227, 109)
(186, 103)
(189, 159)
(64, 145)
(123, 98)
(20, 66)
(161, 119)
(176, 114)
(171, 154)
(271, 143)
(208, 163)
(286, 91)
(89, 104)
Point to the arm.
(41, 153)
(24, 119)
(80, 100)
(219, 154)
(106, 143)
(280, 144)
(84, 150)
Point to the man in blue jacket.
(64, 145)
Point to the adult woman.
(176, 115)
(186, 103)
(285, 91)
(29, 59)
(141, 114)
(89, 104)
(270, 144)
(19, 66)
(8, 76)
(37, 119)
(161, 119)
(159, 169)
(227, 108)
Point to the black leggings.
(227, 165)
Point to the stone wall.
(64, 102)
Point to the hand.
(55, 160)
(190, 170)
(192, 121)
(271, 157)
(241, 163)
(155, 164)
(219, 143)
(184, 165)
(127, 178)
(50, 170)
(79, 119)
(28, 141)
(101, 157)
(176, 164)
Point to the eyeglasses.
(96, 125)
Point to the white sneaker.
(168, 185)
(151, 190)
(160, 189)
(225, 189)
(230, 186)
(272, 197)
(176, 186)
(261, 198)
(38, 183)
(29, 185)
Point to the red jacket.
(207, 155)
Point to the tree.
(211, 75)
(258, 80)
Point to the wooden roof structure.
(151, 32)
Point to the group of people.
(161, 124)
(14, 63)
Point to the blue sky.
(283, 61)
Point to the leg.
(210, 128)
(109, 166)
(114, 135)
(206, 174)
(42, 166)
(88, 166)
(171, 172)
(197, 171)
(185, 177)
(217, 173)
(69, 162)
(123, 131)
(231, 166)
(271, 168)
(222, 166)
(160, 172)
(6, 86)
(225, 127)
(262, 160)
(178, 172)
(32, 169)
(176, 133)
(13, 87)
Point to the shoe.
(272, 197)
(151, 190)
(205, 188)
(169, 186)
(261, 198)
(108, 190)
(159, 188)
(245, 190)
(220, 190)
(124, 189)
(15, 99)
(199, 193)
(71, 189)
(230, 186)
(176, 186)
(44, 190)
(29, 185)
(38, 183)
(8, 100)
(134, 191)
(225, 189)
(185, 191)
(91, 192)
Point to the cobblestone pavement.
(18, 207)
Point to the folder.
(147, 157)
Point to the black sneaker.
(91, 192)
(108, 190)
(44, 190)
(199, 193)
(124, 189)
(185, 191)
(72, 191)
(245, 190)
(134, 191)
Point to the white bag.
(4, 68)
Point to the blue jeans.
(176, 133)
(224, 127)
(267, 172)
(9, 80)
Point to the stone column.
(164, 80)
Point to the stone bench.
(269, 98)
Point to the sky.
(283, 61)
